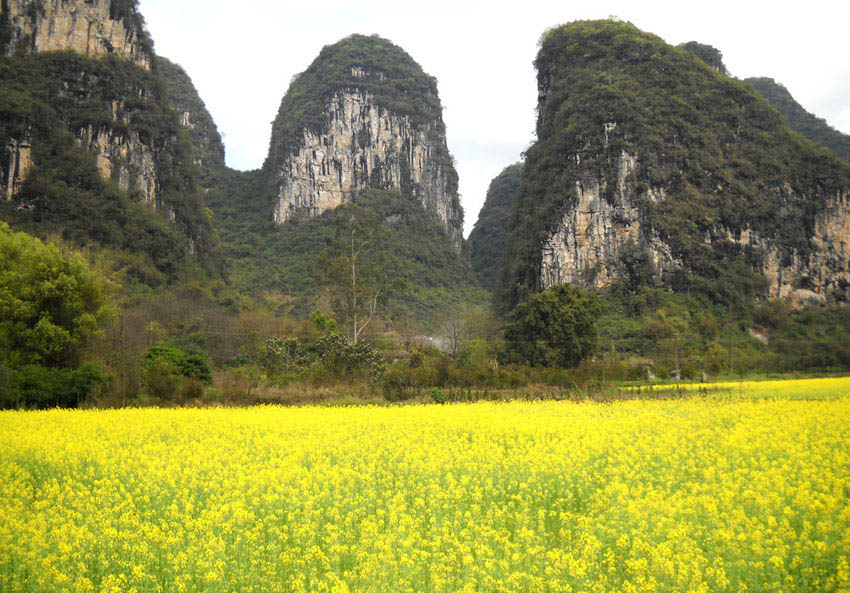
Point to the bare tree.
(356, 269)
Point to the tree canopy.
(50, 304)
(554, 328)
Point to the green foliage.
(486, 243)
(724, 157)
(356, 270)
(708, 54)
(169, 373)
(266, 257)
(437, 395)
(50, 304)
(56, 98)
(554, 328)
(279, 356)
(348, 360)
(33, 387)
(324, 324)
(812, 127)
(175, 361)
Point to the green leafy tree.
(50, 304)
(179, 362)
(554, 328)
(356, 269)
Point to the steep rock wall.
(94, 28)
(19, 152)
(588, 243)
(365, 146)
(123, 157)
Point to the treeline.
(71, 335)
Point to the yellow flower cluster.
(835, 387)
(695, 495)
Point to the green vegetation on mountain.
(208, 149)
(265, 257)
(708, 54)
(51, 306)
(721, 153)
(812, 127)
(57, 98)
(486, 243)
(555, 328)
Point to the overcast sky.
(242, 54)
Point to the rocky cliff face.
(649, 167)
(590, 239)
(377, 125)
(19, 151)
(94, 28)
(78, 77)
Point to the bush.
(554, 328)
(161, 380)
(345, 360)
(191, 366)
(438, 395)
(33, 386)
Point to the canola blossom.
(690, 495)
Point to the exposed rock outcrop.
(20, 160)
(94, 28)
(363, 116)
(79, 74)
(650, 168)
(123, 157)
(588, 243)
(364, 146)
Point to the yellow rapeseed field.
(707, 494)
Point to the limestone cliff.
(362, 116)
(74, 107)
(651, 168)
(94, 28)
(19, 151)
(589, 241)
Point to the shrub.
(554, 328)
(33, 386)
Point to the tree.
(356, 269)
(50, 304)
(554, 328)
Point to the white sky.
(242, 55)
